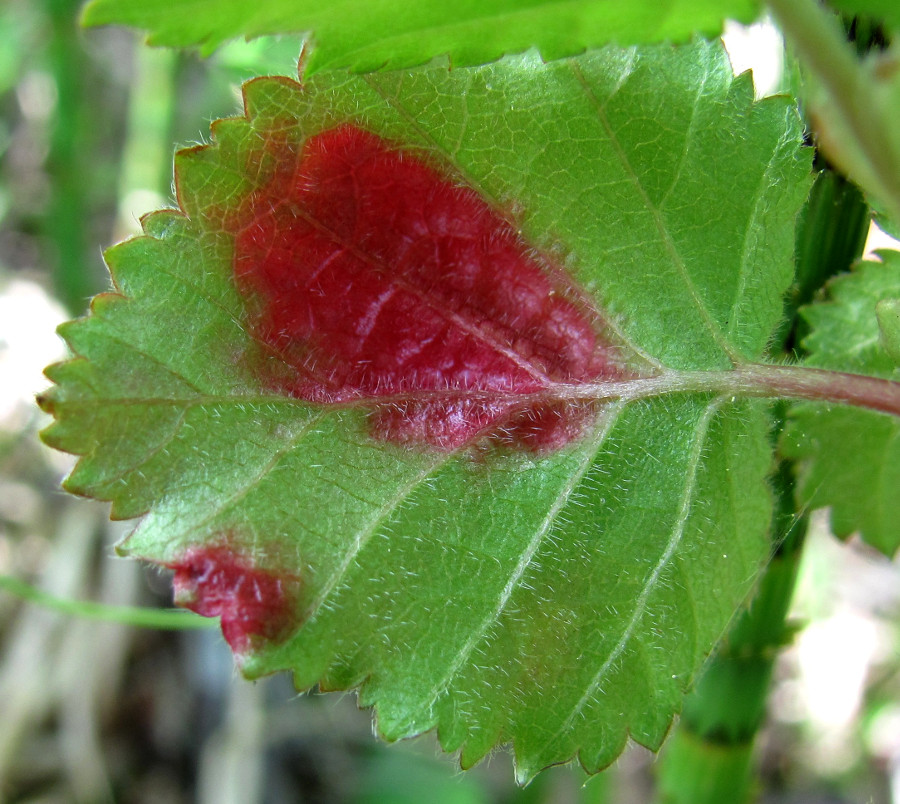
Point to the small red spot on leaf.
(215, 581)
(376, 279)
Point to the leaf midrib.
(739, 381)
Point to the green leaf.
(559, 602)
(886, 10)
(850, 457)
(888, 313)
(363, 35)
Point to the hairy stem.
(751, 380)
(710, 757)
(819, 385)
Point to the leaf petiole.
(819, 385)
(745, 380)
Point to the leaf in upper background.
(852, 103)
(365, 35)
(886, 10)
(850, 457)
(556, 596)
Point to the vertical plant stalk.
(831, 234)
(145, 174)
(67, 217)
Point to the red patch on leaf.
(377, 279)
(215, 581)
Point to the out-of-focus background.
(93, 712)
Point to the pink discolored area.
(376, 278)
(215, 581)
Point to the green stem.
(67, 217)
(125, 615)
(831, 234)
(147, 155)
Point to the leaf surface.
(888, 314)
(559, 599)
(850, 457)
(363, 35)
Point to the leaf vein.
(277, 455)
(607, 421)
(128, 346)
(365, 534)
(651, 582)
(751, 228)
(160, 447)
(688, 137)
(588, 300)
(670, 247)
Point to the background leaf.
(363, 35)
(850, 457)
(560, 602)
(886, 10)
